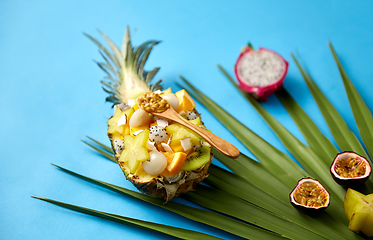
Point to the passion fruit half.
(350, 169)
(309, 196)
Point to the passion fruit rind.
(349, 169)
(309, 196)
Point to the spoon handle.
(218, 143)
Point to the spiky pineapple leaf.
(344, 137)
(160, 228)
(363, 117)
(117, 53)
(204, 216)
(104, 49)
(144, 58)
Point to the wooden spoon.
(218, 143)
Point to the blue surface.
(50, 95)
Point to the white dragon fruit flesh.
(260, 72)
(157, 134)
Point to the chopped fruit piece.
(113, 121)
(177, 162)
(186, 103)
(135, 150)
(196, 121)
(135, 129)
(151, 146)
(169, 157)
(359, 211)
(190, 115)
(197, 159)
(139, 118)
(166, 147)
(156, 164)
(116, 122)
(135, 106)
(172, 100)
(167, 91)
(161, 122)
(179, 132)
(179, 148)
(185, 143)
(158, 134)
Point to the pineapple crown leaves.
(125, 75)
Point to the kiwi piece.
(197, 159)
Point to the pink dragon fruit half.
(260, 72)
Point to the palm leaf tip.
(155, 227)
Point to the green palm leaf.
(321, 224)
(363, 117)
(228, 204)
(204, 216)
(277, 162)
(344, 137)
(246, 190)
(168, 230)
(306, 156)
(336, 191)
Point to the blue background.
(50, 95)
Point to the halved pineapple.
(153, 167)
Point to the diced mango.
(135, 107)
(177, 162)
(186, 103)
(179, 148)
(135, 129)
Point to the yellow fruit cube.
(186, 103)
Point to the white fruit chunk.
(172, 100)
(138, 118)
(151, 146)
(167, 147)
(122, 120)
(156, 164)
(161, 122)
(185, 143)
(131, 102)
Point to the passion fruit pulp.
(350, 169)
(309, 196)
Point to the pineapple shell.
(162, 186)
(125, 80)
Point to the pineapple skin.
(126, 79)
(158, 186)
